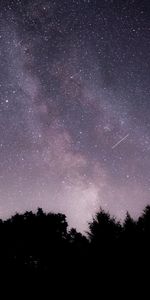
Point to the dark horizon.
(42, 244)
(83, 232)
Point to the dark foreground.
(39, 248)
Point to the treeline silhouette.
(39, 244)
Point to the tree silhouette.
(129, 229)
(41, 243)
(104, 229)
(143, 225)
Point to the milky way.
(74, 82)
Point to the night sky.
(75, 107)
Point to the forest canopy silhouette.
(42, 243)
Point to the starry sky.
(74, 107)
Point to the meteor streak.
(114, 146)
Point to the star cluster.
(74, 82)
